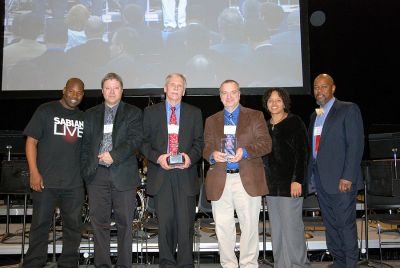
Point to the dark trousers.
(339, 217)
(70, 203)
(175, 212)
(104, 200)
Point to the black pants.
(70, 203)
(176, 213)
(105, 199)
(339, 216)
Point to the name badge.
(229, 129)
(317, 131)
(173, 129)
(108, 128)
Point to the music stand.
(15, 181)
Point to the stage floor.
(145, 245)
(216, 265)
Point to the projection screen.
(258, 43)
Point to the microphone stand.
(264, 235)
(366, 260)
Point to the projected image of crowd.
(257, 42)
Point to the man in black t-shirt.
(53, 144)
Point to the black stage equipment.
(12, 140)
(383, 145)
(14, 177)
(380, 176)
(15, 181)
(384, 168)
(384, 178)
(374, 201)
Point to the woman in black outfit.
(285, 167)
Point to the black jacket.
(288, 160)
(127, 136)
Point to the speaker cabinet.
(14, 177)
(384, 177)
(14, 139)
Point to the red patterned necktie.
(173, 137)
(317, 140)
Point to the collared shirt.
(235, 119)
(320, 120)
(169, 112)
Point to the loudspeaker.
(384, 177)
(383, 145)
(12, 138)
(14, 177)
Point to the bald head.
(324, 88)
(75, 82)
(326, 77)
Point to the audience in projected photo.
(234, 53)
(37, 70)
(30, 27)
(76, 20)
(56, 8)
(174, 14)
(95, 51)
(124, 56)
(253, 35)
(133, 16)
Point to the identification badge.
(108, 128)
(229, 129)
(317, 131)
(173, 129)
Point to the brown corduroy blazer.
(252, 135)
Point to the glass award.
(229, 146)
(175, 158)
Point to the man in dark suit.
(174, 187)
(110, 170)
(237, 184)
(337, 138)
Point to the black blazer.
(155, 143)
(127, 138)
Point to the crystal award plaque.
(229, 146)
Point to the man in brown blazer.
(236, 185)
